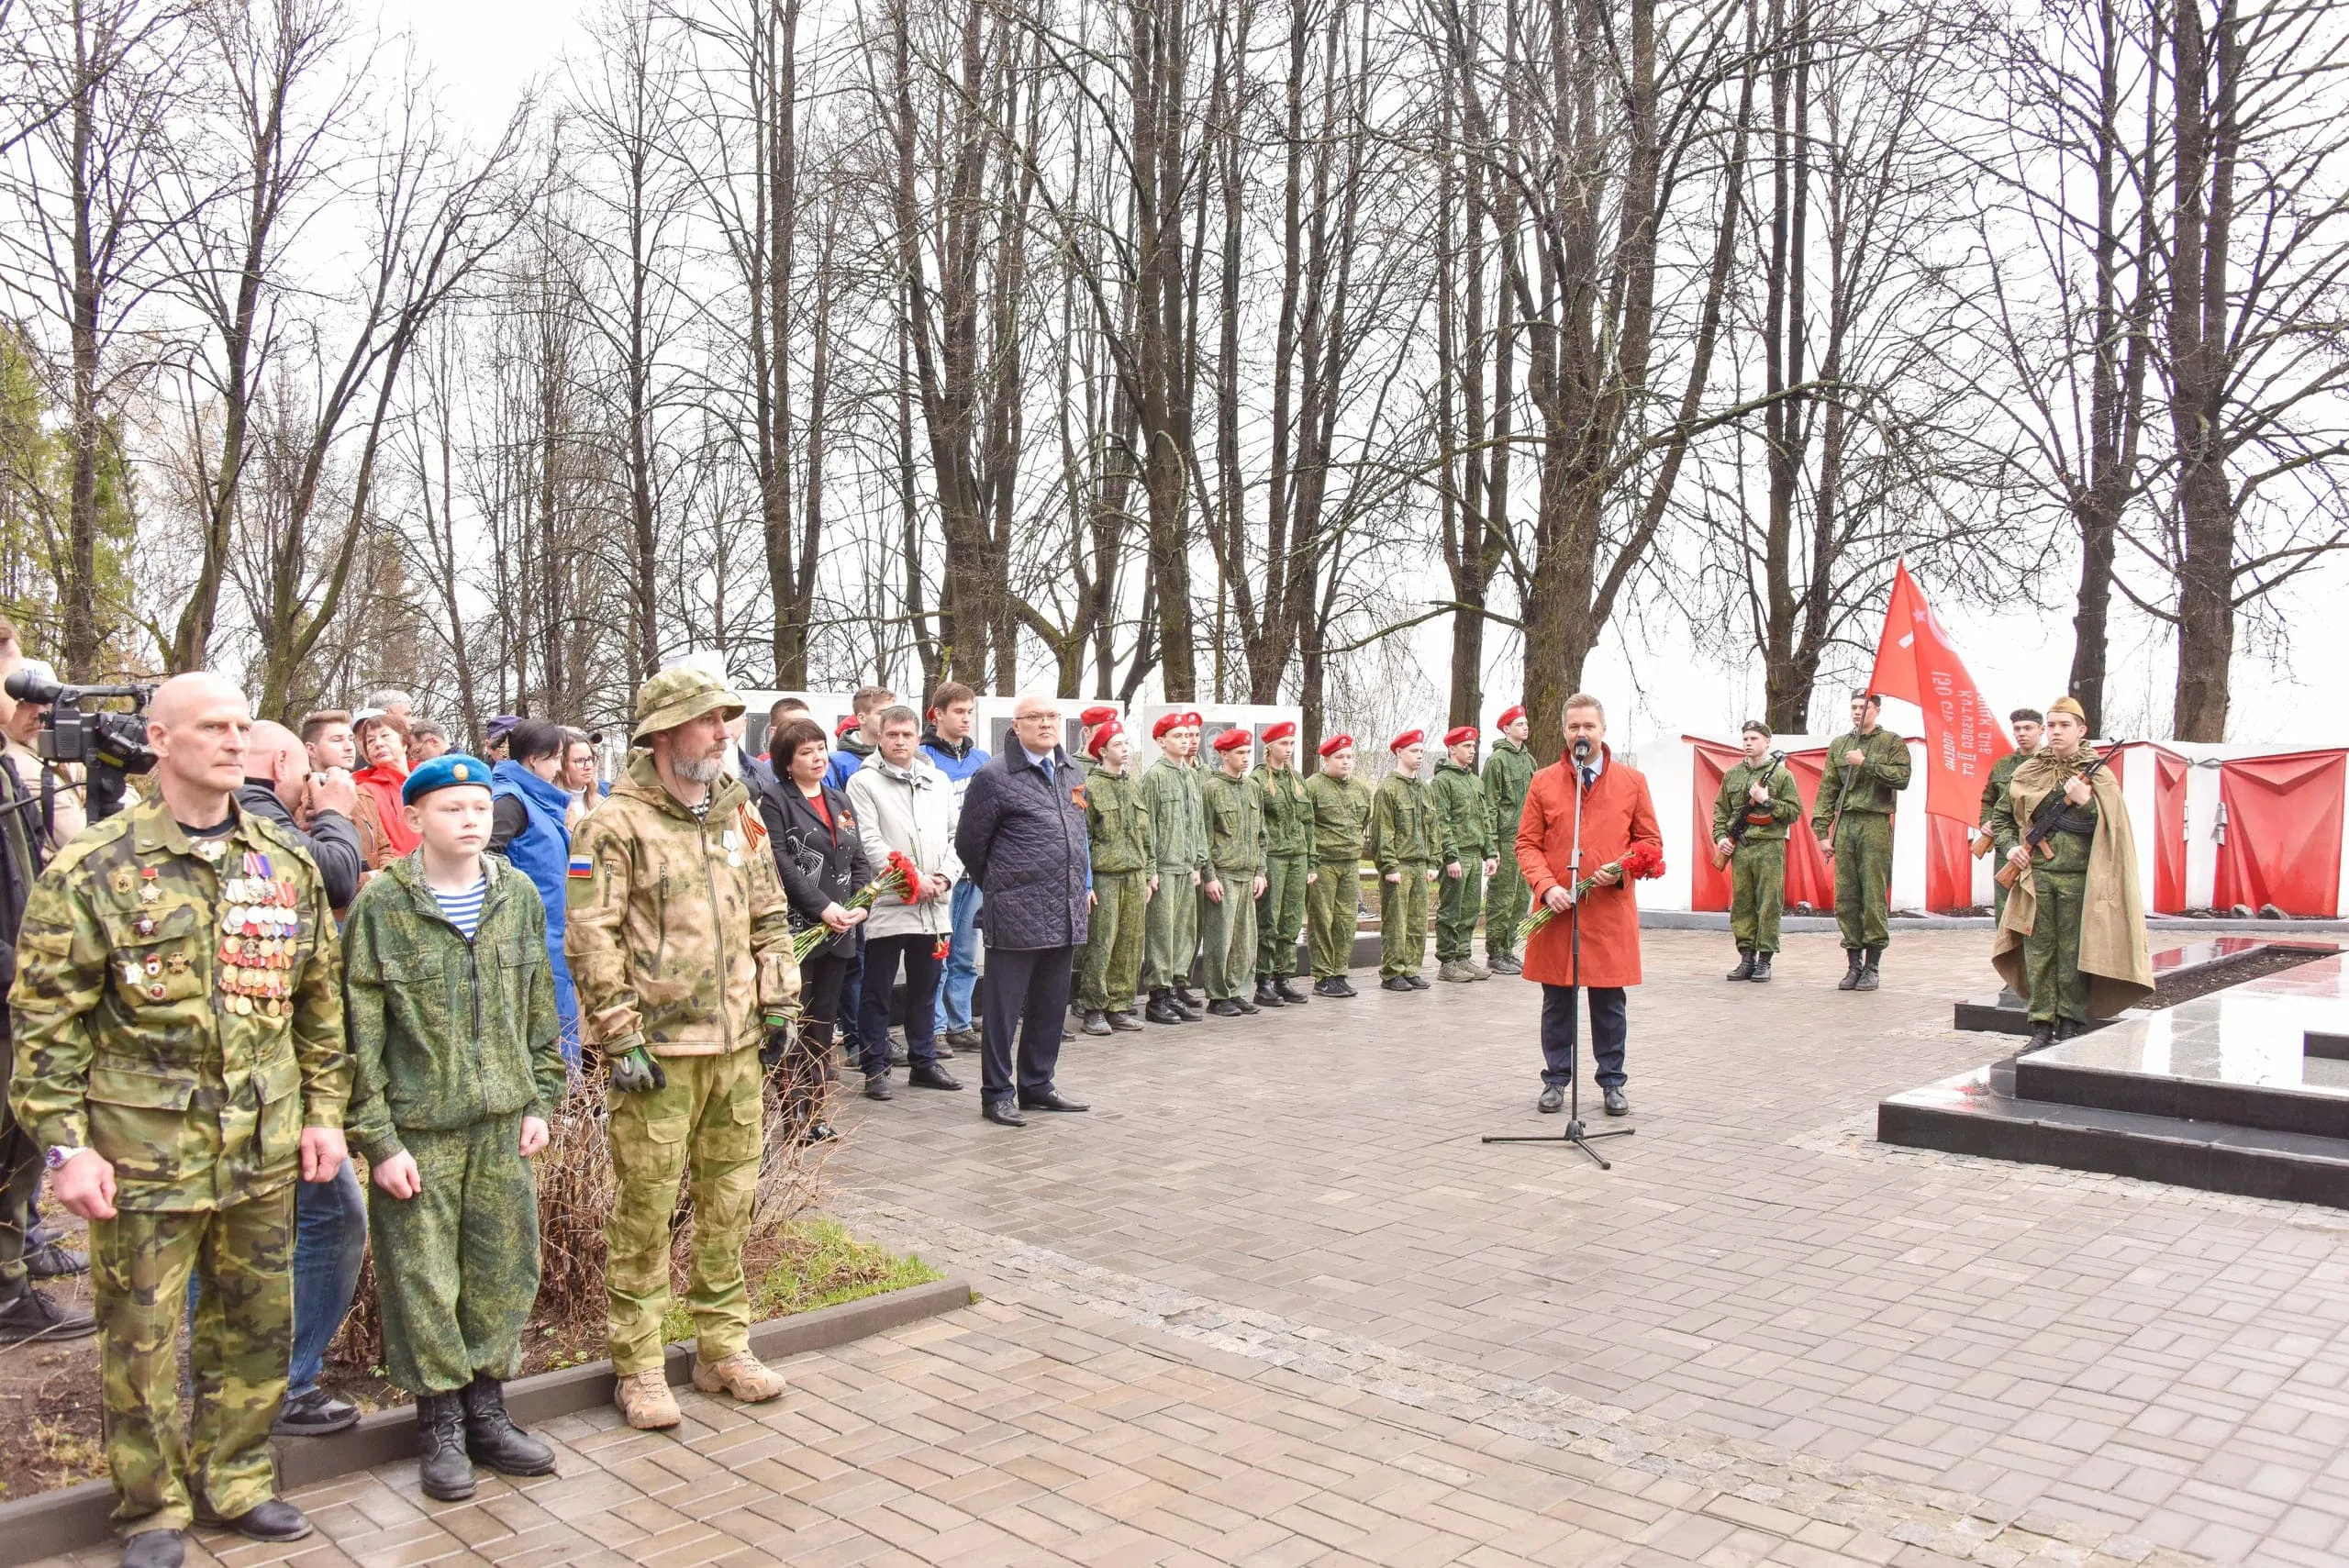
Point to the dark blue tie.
(1589, 777)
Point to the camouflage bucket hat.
(679, 696)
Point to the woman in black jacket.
(817, 850)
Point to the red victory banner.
(1915, 662)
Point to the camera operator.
(21, 722)
(315, 807)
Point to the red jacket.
(1616, 814)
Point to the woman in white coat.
(905, 807)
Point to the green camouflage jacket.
(1117, 821)
(1340, 818)
(1871, 786)
(1235, 814)
(1509, 774)
(188, 1054)
(1177, 831)
(445, 1032)
(1404, 828)
(1994, 795)
(1785, 803)
(1461, 812)
(1288, 815)
(676, 929)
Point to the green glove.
(638, 1073)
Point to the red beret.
(1408, 738)
(1232, 740)
(1101, 737)
(1281, 731)
(1458, 733)
(1335, 744)
(1166, 721)
(1191, 720)
(847, 723)
(1100, 713)
(1508, 715)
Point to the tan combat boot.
(645, 1399)
(741, 1374)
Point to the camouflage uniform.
(1994, 798)
(1178, 841)
(1458, 795)
(1288, 860)
(1117, 821)
(679, 940)
(1863, 835)
(454, 1042)
(1509, 774)
(1406, 838)
(1341, 816)
(1757, 869)
(1235, 817)
(188, 1037)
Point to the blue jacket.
(543, 851)
(846, 760)
(1022, 840)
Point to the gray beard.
(705, 771)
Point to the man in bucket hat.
(679, 940)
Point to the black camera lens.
(26, 685)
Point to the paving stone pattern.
(1272, 1303)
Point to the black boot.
(1851, 980)
(1867, 979)
(1161, 1009)
(441, 1465)
(492, 1438)
(1266, 996)
(2066, 1028)
(155, 1549)
(1191, 1008)
(1289, 994)
(2042, 1035)
(1744, 970)
(1328, 985)
(1761, 974)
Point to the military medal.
(124, 880)
(149, 891)
(144, 926)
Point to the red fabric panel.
(1810, 879)
(1949, 865)
(1708, 888)
(2283, 842)
(2169, 833)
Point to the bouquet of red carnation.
(900, 876)
(1641, 862)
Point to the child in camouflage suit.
(449, 1003)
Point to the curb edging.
(71, 1518)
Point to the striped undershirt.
(463, 909)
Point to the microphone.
(1582, 748)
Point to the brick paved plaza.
(1272, 1302)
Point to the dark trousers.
(1024, 989)
(20, 1173)
(821, 980)
(882, 956)
(1609, 1027)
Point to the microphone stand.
(1574, 1132)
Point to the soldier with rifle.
(1756, 806)
(1853, 821)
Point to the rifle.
(2045, 815)
(1835, 818)
(1745, 823)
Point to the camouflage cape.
(2112, 919)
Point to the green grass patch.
(804, 1265)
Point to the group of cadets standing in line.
(1222, 867)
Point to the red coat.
(1616, 814)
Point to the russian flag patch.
(582, 866)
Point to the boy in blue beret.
(450, 1004)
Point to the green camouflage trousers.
(1757, 878)
(1227, 937)
(1506, 900)
(457, 1263)
(1280, 915)
(1864, 878)
(1333, 905)
(1174, 930)
(1113, 942)
(1403, 922)
(2051, 955)
(140, 1263)
(707, 1121)
(20, 1173)
(1455, 921)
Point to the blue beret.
(450, 768)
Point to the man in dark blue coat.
(1022, 838)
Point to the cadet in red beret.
(1508, 772)
(1289, 868)
(1406, 846)
(1179, 850)
(1458, 795)
(1340, 806)
(1089, 723)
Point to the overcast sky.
(486, 56)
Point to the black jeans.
(882, 955)
(1022, 989)
(1609, 1027)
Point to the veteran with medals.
(180, 1059)
(2072, 938)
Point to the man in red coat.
(1616, 814)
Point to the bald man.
(315, 807)
(180, 1062)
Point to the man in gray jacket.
(905, 807)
